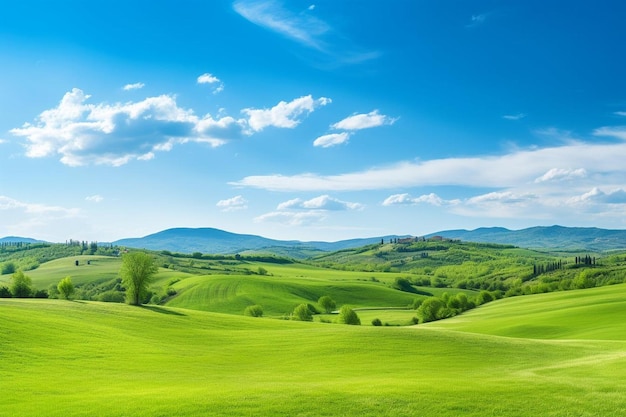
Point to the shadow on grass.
(162, 310)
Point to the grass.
(60, 358)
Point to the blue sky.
(310, 120)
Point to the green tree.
(302, 313)
(66, 288)
(348, 316)
(136, 272)
(8, 268)
(327, 303)
(253, 311)
(21, 285)
(430, 309)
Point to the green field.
(64, 358)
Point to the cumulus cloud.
(407, 199)
(364, 121)
(323, 202)
(81, 133)
(208, 78)
(94, 198)
(232, 204)
(284, 114)
(332, 139)
(135, 86)
(596, 195)
(559, 174)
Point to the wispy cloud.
(620, 113)
(290, 218)
(513, 169)
(94, 198)
(477, 20)
(364, 121)
(284, 114)
(135, 86)
(211, 79)
(232, 204)
(299, 212)
(27, 218)
(332, 139)
(407, 199)
(517, 116)
(618, 132)
(560, 174)
(304, 28)
(272, 15)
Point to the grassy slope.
(290, 285)
(595, 313)
(60, 358)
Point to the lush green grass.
(595, 313)
(60, 358)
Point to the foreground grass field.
(62, 358)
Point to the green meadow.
(560, 353)
(75, 358)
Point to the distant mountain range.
(17, 239)
(216, 241)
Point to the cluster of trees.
(22, 287)
(305, 311)
(437, 308)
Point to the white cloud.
(25, 218)
(302, 28)
(323, 202)
(332, 139)
(518, 168)
(559, 174)
(232, 204)
(364, 121)
(596, 195)
(406, 199)
(305, 29)
(620, 113)
(618, 132)
(517, 116)
(284, 114)
(208, 78)
(135, 86)
(290, 218)
(94, 198)
(80, 133)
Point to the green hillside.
(63, 358)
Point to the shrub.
(348, 316)
(327, 303)
(377, 322)
(8, 268)
(253, 311)
(66, 288)
(111, 297)
(302, 313)
(4, 292)
(484, 297)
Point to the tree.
(21, 285)
(348, 316)
(430, 309)
(66, 287)
(327, 303)
(136, 272)
(302, 313)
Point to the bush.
(348, 316)
(4, 292)
(484, 297)
(377, 322)
(302, 313)
(253, 311)
(8, 268)
(66, 288)
(111, 297)
(327, 303)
